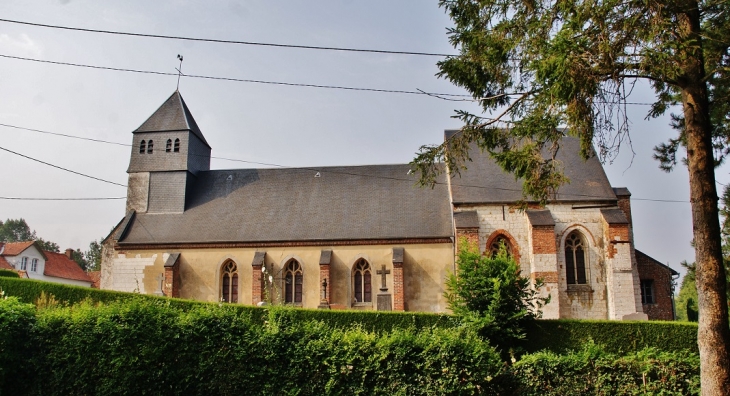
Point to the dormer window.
(142, 147)
(149, 147)
(177, 145)
(168, 146)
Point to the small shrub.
(8, 273)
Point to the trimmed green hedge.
(17, 324)
(593, 371)
(564, 335)
(8, 273)
(147, 347)
(555, 335)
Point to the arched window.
(362, 285)
(575, 259)
(168, 146)
(149, 147)
(497, 244)
(177, 146)
(229, 283)
(293, 282)
(142, 147)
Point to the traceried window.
(362, 285)
(149, 147)
(168, 146)
(229, 283)
(647, 291)
(497, 243)
(142, 147)
(34, 265)
(575, 259)
(24, 263)
(177, 146)
(293, 281)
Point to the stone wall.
(649, 269)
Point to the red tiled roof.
(60, 266)
(4, 263)
(15, 248)
(95, 278)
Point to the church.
(366, 237)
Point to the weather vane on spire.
(179, 71)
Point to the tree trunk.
(713, 336)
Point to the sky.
(264, 123)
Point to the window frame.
(176, 146)
(34, 265)
(142, 147)
(24, 263)
(644, 285)
(495, 245)
(362, 276)
(575, 241)
(168, 146)
(229, 290)
(150, 145)
(293, 282)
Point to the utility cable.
(160, 36)
(61, 168)
(60, 199)
(321, 169)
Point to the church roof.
(173, 115)
(485, 182)
(372, 202)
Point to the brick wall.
(398, 288)
(324, 273)
(256, 284)
(662, 277)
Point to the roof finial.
(179, 71)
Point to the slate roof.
(468, 219)
(540, 217)
(58, 265)
(614, 216)
(485, 182)
(293, 204)
(173, 115)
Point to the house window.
(293, 282)
(24, 263)
(647, 291)
(575, 259)
(361, 282)
(177, 146)
(149, 147)
(497, 244)
(168, 146)
(229, 284)
(34, 265)
(142, 147)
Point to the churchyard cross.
(383, 283)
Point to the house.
(359, 237)
(32, 262)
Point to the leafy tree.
(16, 231)
(538, 66)
(685, 304)
(78, 256)
(489, 293)
(48, 245)
(93, 256)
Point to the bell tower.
(168, 151)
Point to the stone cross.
(383, 272)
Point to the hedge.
(147, 347)
(593, 371)
(555, 335)
(8, 273)
(564, 335)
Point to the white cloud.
(22, 43)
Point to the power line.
(160, 36)
(230, 78)
(60, 199)
(320, 169)
(61, 168)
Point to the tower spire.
(179, 71)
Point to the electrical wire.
(60, 199)
(160, 36)
(324, 169)
(61, 168)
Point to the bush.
(17, 330)
(592, 370)
(8, 273)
